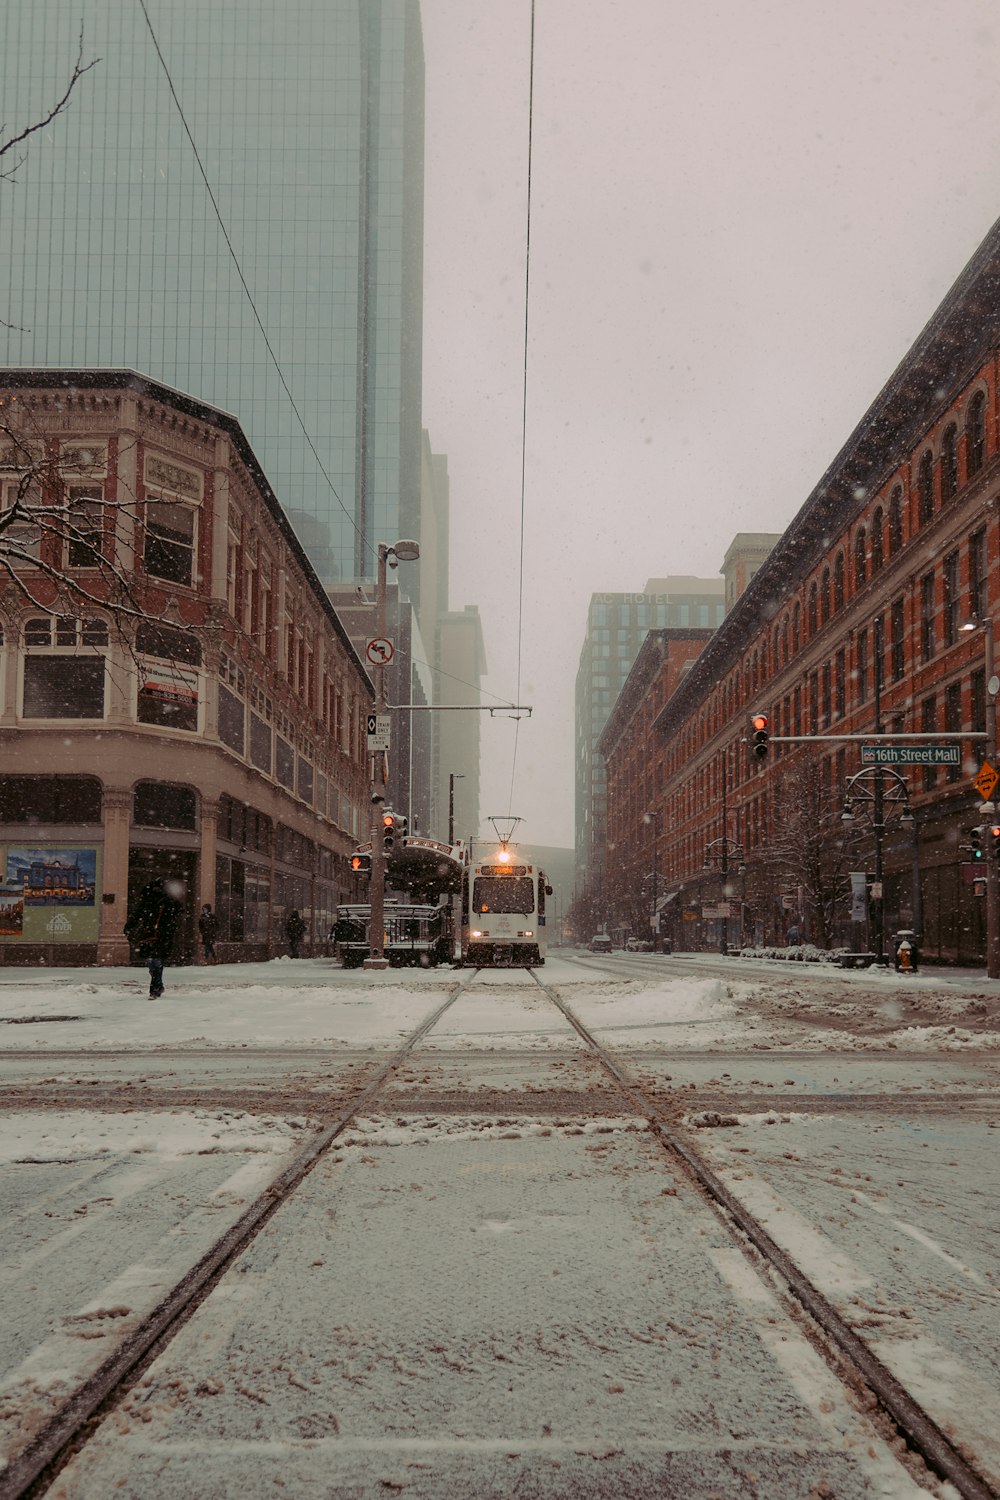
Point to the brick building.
(856, 614)
(177, 694)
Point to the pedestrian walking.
(294, 930)
(152, 927)
(207, 927)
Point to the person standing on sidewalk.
(294, 930)
(152, 927)
(207, 927)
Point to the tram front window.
(515, 895)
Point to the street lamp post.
(652, 817)
(888, 790)
(453, 776)
(988, 808)
(402, 551)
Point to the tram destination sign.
(911, 755)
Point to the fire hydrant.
(907, 956)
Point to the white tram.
(503, 912)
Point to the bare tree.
(807, 847)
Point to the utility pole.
(402, 551)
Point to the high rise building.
(306, 119)
(617, 625)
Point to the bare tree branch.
(79, 68)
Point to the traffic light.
(993, 836)
(361, 864)
(975, 845)
(402, 827)
(759, 735)
(389, 822)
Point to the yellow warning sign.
(986, 782)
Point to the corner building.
(214, 730)
(309, 119)
(873, 607)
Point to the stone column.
(208, 830)
(112, 944)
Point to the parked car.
(638, 945)
(600, 943)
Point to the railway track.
(32, 1471)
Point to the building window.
(168, 662)
(838, 582)
(50, 800)
(840, 683)
(860, 559)
(827, 695)
(928, 724)
(812, 616)
(162, 804)
(863, 667)
(927, 617)
(878, 652)
(952, 599)
(953, 719)
(84, 526)
(232, 716)
(975, 434)
(896, 520)
(949, 463)
(925, 489)
(978, 604)
(897, 629)
(878, 526)
(170, 535)
(824, 597)
(22, 537)
(64, 668)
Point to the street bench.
(857, 960)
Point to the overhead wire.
(243, 281)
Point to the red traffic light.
(760, 740)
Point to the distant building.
(216, 728)
(745, 556)
(617, 624)
(310, 121)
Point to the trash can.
(907, 956)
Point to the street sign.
(911, 755)
(379, 651)
(712, 911)
(379, 732)
(986, 782)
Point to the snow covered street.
(498, 1280)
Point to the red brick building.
(177, 694)
(865, 596)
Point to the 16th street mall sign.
(911, 755)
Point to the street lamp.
(719, 852)
(453, 776)
(401, 551)
(988, 809)
(652, 817)
(888, 792)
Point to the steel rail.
(915, 1424)
(33, 1469)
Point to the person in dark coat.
(294, 930)
(152, 927)
(208, 926)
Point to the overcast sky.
(742, 214)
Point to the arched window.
(811, 613)
(949, 463)
(796, 626)
(925, 492)
(896, 519)
(838, 582)
(975, 434)
(164, 804)
(860, 559)
(65, 667)
(824, 597)
(878, 531)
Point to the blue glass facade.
(308, 119)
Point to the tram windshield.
(503, 894)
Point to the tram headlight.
(527, 933)
(476, 933)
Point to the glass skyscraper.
(307, 117)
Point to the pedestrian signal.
(760, 736)
(361, 864)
